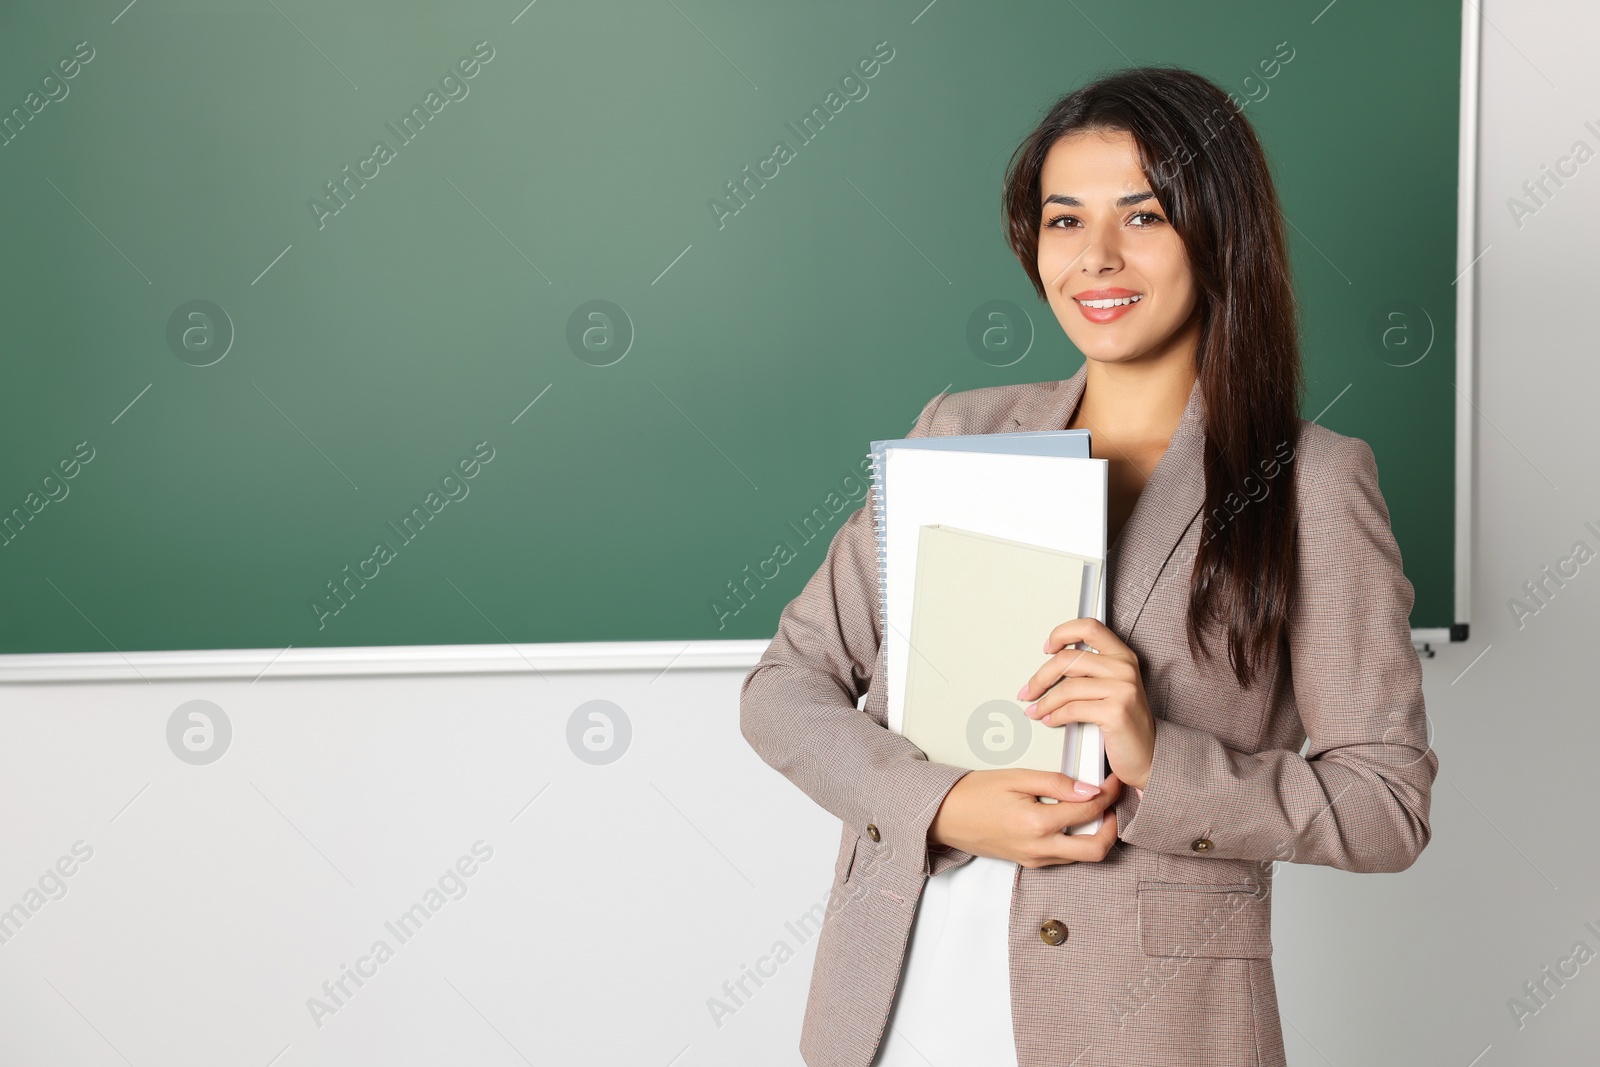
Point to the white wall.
(219, 900)
(623, 897)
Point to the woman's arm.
(797, 705)
(1358, 800)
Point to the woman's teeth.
(1118, 302)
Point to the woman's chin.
(1102, 353)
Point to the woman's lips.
(1109, 314)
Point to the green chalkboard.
(276, 272)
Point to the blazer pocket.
(1186, 919)
(847, 857)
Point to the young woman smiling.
(965, 926)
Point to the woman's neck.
(1137, 401)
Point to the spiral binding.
(875, 460)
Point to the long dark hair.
(1203, 161)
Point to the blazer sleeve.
(797, 705)
(1358, 800)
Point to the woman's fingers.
(1077, 848)
(1019, 815)
(1053, 819)
(1072, 661)
(1120, 665)
(1092, 632)
(1062, 787)
(1067, 693)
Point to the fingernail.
(1032, 710)
(1084, 789)
(1022, 694)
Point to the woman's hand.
(1102, 687)
(998, 813)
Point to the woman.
(1256, 600)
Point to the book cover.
(982, 607)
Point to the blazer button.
(1201, 844)
(1053, 932)
(872, 832)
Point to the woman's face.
(1103, 236)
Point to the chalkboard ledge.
(254, 664)
(270, 663)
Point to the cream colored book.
(981, 609)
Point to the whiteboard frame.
(1466, 317)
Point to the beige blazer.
(1160, 954)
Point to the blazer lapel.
(1172, 496)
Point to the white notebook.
(1054, 501)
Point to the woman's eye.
(1071, 221)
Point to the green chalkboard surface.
(482, 304)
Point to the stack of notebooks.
(986, 543)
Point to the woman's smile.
(1106, 305)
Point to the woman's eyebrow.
(1122, 201)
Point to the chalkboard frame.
(663, 656)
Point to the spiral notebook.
(1022, 442)
(1008, 489)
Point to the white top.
(955, 988)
